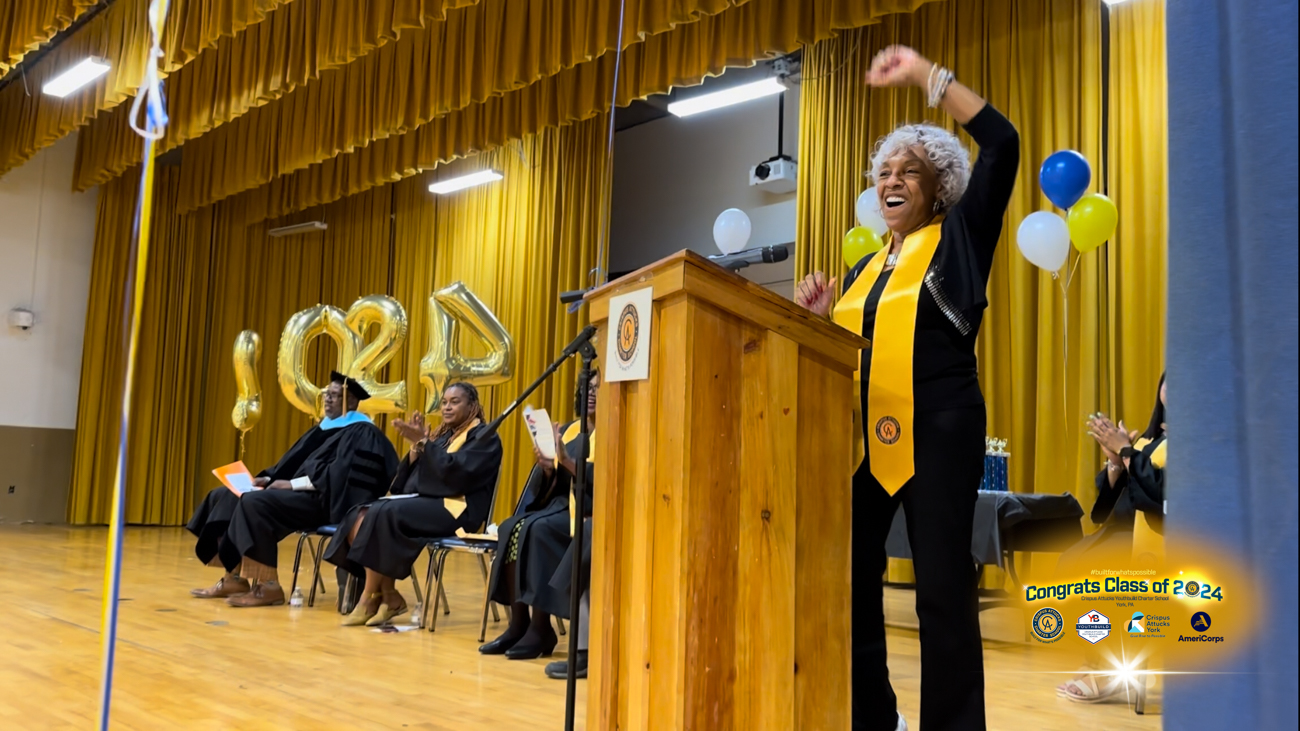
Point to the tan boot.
(262, 595)
(225, 588)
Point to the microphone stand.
(583, 339)
(582, 347)
(588, 354)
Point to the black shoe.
(559, 670)
(500, 645)
(533, 650)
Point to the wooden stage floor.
(199, 664)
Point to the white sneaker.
(902, 723)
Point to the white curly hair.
(949, 157)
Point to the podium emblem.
(628, 344)
(628, 331)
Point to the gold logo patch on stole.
(888, 430)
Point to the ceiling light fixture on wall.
(726, 97)
(298, 228)
(76, 77)
(451, 185)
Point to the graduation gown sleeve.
(1106, 496)
(1146, 478)
(471, 471)
(355, 466)
(292, 460)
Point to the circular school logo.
(628, 329)
(1192, 588)
(888, 430)
(1201, 621)
(1047, 625)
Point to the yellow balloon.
(444, 364)
(388, 313)
(1092, 222)
(301, 329)
(858, 243)
(248, 403)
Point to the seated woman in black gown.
(1131, 483)
(444, 483)
(533, 542)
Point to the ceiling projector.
(776, 175)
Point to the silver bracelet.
(937, 85)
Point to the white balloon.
(1044, 239)
(731, 231)
(868, 210)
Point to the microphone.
(568, 298)
(761, 255)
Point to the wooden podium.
(720, 595)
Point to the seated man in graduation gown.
(344, 461)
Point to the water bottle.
(295, 599)
(416, 613)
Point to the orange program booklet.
(236, 477)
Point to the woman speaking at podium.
(920, 301)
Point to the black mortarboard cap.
(356, 389)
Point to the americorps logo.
(1201, 623)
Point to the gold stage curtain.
(218, 165)
(235, 80)
(26, 25)
(296, 44)
(120, 35)
(1139, 183)
(1039, 62)
(517, 243)
(169, 363)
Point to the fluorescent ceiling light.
(726, 97)
(1112, 2)
(451, 185)
(76, 77)
(298, 228)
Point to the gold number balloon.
(389, 314)
(248, 403)
(357, 359)
(301, 329)
(443, 364)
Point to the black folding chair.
(316, 541)
(485, 549)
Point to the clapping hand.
(815, 293)
(562, 454)
(413, 430)
(1112, 438)
(547, 465)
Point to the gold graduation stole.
(456, 505)
(459, 438)
(890, 402)
(1148, 533)
(569, 435)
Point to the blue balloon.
(1065, 176)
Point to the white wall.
(672, 177)
(47, 236)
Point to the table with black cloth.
(1006, 522)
